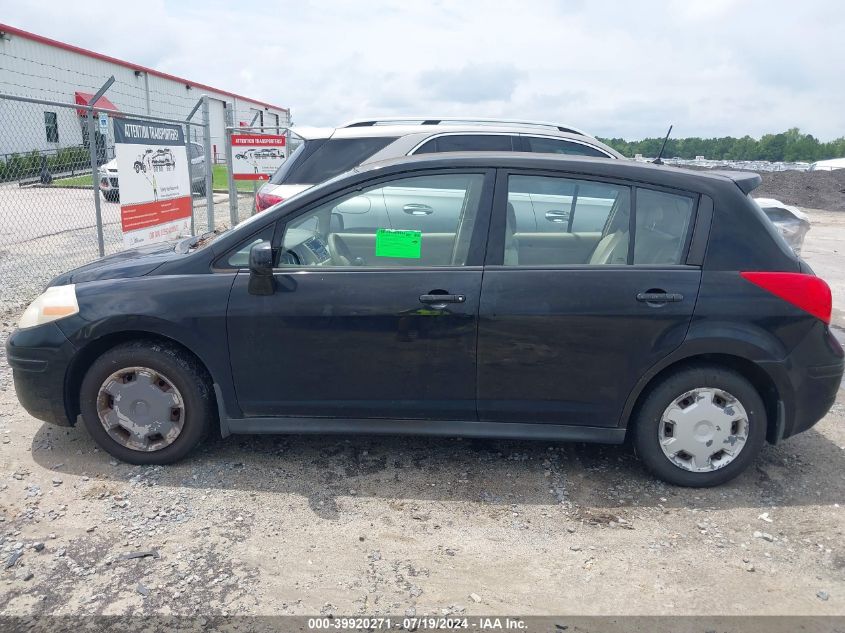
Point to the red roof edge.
(5, 28)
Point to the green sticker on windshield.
(402, 244)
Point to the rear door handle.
(442, 298)
(660, 297)
(417, 209)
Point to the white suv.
(327, 152)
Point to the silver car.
(327, 152)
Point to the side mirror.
(261, 269)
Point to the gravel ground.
(381, 525)
(46, 231)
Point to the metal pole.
(92, 147)
(188, 149)
(190, 173)
(209, 192)
(233, 191)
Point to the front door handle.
(435, 299)
(557, 216)
(659, 297)
(417, 209)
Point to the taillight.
(808, 292)
(266, 200)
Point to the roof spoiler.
(747, 181)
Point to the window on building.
(51, 125)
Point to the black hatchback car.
(495, 295)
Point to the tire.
(200, 188)
(184, 374)
(648, 425)
(112, 196)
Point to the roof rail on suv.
(439, 120)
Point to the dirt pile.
(811, 189)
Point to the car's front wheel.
(146, 402)
(700, 426)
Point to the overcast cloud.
(713, 67)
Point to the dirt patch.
(813, 189)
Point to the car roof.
(403, 129)
(668, 176)
(422, 132)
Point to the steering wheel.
(340, 252)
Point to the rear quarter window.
(542, 145)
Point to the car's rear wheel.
(700, 426)
(146, 402)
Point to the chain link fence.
(59, 192)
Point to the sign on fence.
(256, 156)
(155, 181)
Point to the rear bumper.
(808, 381)
(815, 396)
(39, 358)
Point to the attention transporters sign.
(155, 181)
(256, 156)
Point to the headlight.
(56, 303)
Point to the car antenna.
(658, 160)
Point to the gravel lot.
(48, 230)
(380, 525)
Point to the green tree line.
(789, 146)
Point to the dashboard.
(307, 249)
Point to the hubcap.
(703, 430)
(141, 409)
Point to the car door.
(369, 317)
(569, 320)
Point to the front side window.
(386, 225)
(469, 143)
(543, 145)
(564, 221)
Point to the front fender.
(188, 309)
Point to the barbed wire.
(100, 79)
(140, 97)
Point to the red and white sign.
(154, 180)
(256, 156)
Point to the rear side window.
(470, 143)
(316, 161)
(555, 221)
(663, 221)
(559, 146)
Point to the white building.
(41, 68)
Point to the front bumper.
(107, 182)
(39, 358)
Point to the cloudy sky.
(615, 68)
